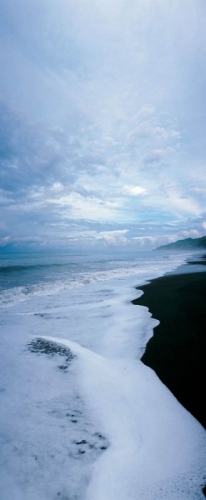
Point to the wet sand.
(177, 349)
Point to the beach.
(82, 417)
(176, 351)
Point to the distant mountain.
(187, 244)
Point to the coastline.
(176, 352)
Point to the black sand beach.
(177, 349)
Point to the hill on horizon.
(186, 244)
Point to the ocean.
(81, 417)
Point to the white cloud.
(153, 130)
(145, 129)
(110, 141)
(77, 206)
(184, 205)
(113, 237)
(192, 233)
(5, 240)
(146, 110)
(57, 186)
(158, 240)
(134, 190)
(145, 240)
(200, 191)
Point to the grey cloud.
(90, 93)
(154, 156)
(25, 156)
(32, 155)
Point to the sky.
(102, 123)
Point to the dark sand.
(177, 349)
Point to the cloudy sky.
(102, 122)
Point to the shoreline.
(176, 352)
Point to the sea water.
(81, 416)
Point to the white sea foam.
(149, 267)
(156, 448)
